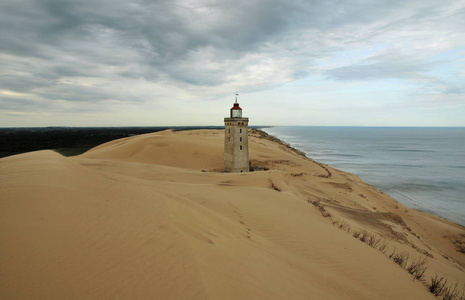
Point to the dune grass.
(438, 286)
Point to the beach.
(154, 216)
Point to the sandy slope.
(136, 218)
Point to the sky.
(181, 62)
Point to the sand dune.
(137, 218)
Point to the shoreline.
(402, 196)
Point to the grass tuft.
(418, 268)
(274, 187)
(344, 226)
(401, 259)
(382, 247)
(321, 208)
(373, 241)
(364, 236)
(437, 285)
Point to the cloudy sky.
(180, 62)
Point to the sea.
(421, 167)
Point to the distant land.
(70, 141)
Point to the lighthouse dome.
(236, 111)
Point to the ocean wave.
(411, 150)
(456, 167)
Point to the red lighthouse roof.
(236, 106)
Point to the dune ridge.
(137, 218)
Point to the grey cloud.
(198, 43)
(8, 103)
(382, 68)
(455, 90)
(416, 70)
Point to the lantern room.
(236, 111)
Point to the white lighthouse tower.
(236, 142)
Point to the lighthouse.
(236, 142)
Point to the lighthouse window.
(229, 139)
(240, 130)
(241, 147)
(241, 139)
(229, 130)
